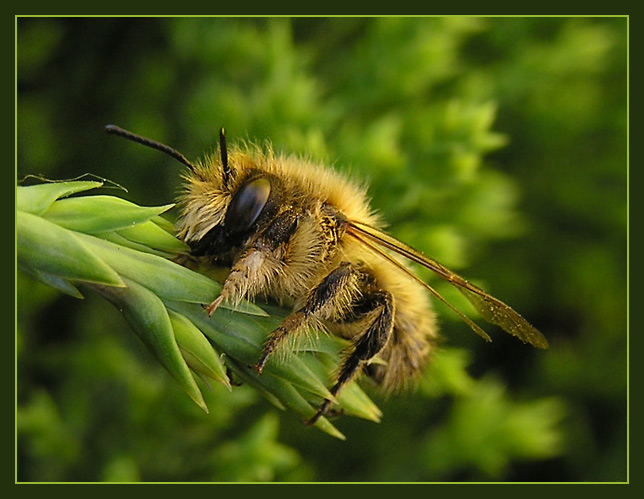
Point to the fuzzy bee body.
(297, 251)
(306, 236)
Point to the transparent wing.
(491, 309)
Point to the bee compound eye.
(247, 204)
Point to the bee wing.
(491, 309)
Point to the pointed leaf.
(164, 224)
(355, 402)
(197, 350)
(239, 337)
(296, 402)
(352, 398)
(147, 315)
(36, 199)
(118, 239)
(151, 235)
(48, 248)
(291, 398)
(249, 378)
(167, 279)
(56, 282)
(95, 214)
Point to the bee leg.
(290, 324)
(339, 286)
(232, 379)
(367, 346)
(251, 273)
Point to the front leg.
(248, 277)
(259, 262)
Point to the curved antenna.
(115, 130)
(223, 151)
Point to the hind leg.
(367, 346)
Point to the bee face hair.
(305, 236)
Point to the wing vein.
(491, 309)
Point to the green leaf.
(118, 239)
(50, 249)
(296, 402)
(56, 282)
(355, 402)
(197, 350)
(164, 223)
(243, 375)
(153, 236)
(289, 396)
(96, 214)
(241, 337)
(167, 279)
(352, 399)
(36, 199)
(149, 319)
(129, 241)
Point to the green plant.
(122, 251)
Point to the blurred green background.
(496, 145)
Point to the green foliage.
(495, 145)
(70, 244)
(501, 433)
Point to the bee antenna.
(224, 155)
(115, 130)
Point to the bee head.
(216, 212)
(215, 221)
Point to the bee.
(306, 236)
